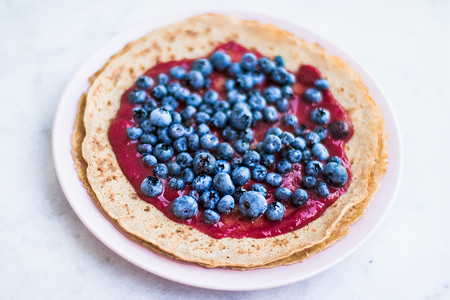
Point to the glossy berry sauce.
(234, 225)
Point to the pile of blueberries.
(178, 143)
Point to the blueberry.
(240, 176)
(322, 190)
(274, 131)
(321, 132)
(275, 211)
(160, 171)
(159, 91)
(193, 142)
(173, 88)
(209, 141)
(134, 133)
(194, 100)
(252, 205)
(259, 173)
(272, 144)
(176, 183)
(234, 69)
(241, 146)
(258, 187)
(163, 135)
(169, 102)
(203, 129)
(311, 138)
(174, 168)
(244, 82)
(287, 138)
(203, 118)
(257, 102)
(272, 94)
(266, 65)
(147, 127)
(194, 194)
(280, 75)
(249, 61)
(144, 82)
(322, 84)
(161, 117)
(202, 183)
(195, 79)
(294, 156)
(221, 105)
(306, 156)
(309, 182)
(181, 94)
(211, 97)
(335, 174)
(137, 96)
(287, 91)
(299, 197)
(258, 77)
(270, 114)
(162, 79)
(151, 186)
(203, 66)
(149, 105)
(274, 179)
(320, 116)
(149, 160)
(225, 205)
(163, 152)
(220, 119)
(235, 163)
(225, 151)
(206, 108)
(222, 166)
(229, 134)
(238, 194)
(319, 151)
(178, 72)
(312, 95)
(268, 160)
(283, 105)
(300, 130)
(187, 175)
(176, 130)
(145, 149)
(223, 184)
(282, 194)
(209, 199)
(220, 60)
(335, 159)
(204, 163)
(313, 168)
(284, 166)
(339, 129)
(279, 62)
(241, 117)
(188, 113)
(184, 160)
(190, 130)
(251, 159)
(139, 114)
(290, 120)
(257, 117)
(184, 207)
(230, 84)
(211, 216)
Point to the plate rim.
(119, 243)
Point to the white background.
(46, 252)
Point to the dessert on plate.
(229, 143)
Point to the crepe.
(197, 37)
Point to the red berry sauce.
(234, 225)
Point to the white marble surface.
(46, 252)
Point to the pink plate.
(221, 279)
